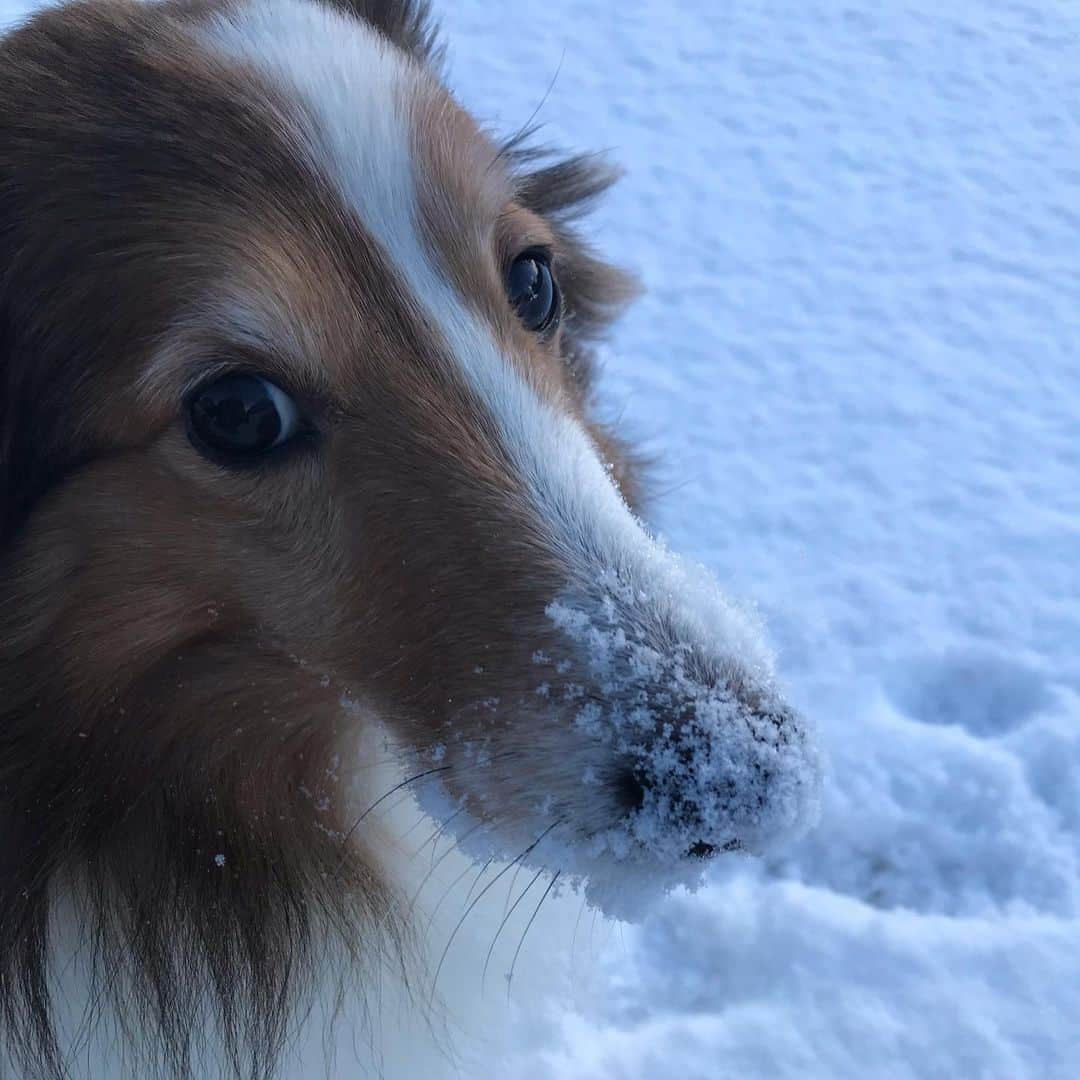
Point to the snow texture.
(859, 228)
(720, 772)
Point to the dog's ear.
(35, 404)
(406, 23)
(23, 472)
(7, 494)
(39, 372)
(13, 474)
(24, 435)
(11, 497)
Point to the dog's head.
(295, 432)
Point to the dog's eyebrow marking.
(358, 90)
(217, 333)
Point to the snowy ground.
(859, 359)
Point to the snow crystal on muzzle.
(722, 761)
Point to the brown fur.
(153, 709)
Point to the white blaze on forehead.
(355, 86)
(357, 89)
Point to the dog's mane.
(125, 829)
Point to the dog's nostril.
(631, 791)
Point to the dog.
(307, 513)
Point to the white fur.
(389, 1032)
(357, 85)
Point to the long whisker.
(435, 865)
(404, 797)
(510, 890)
(382, 798)
(453, 885)
(506, 919)
(435, 835)
(426, 817)
(479, 896)
(420, 819)
(482, 872)
(577, 926)
(442, 830)
(532, 919)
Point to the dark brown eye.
(533, 292)
(240, 416)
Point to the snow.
(720, 772)
(859, 229)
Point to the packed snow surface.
(858, 359)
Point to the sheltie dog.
(305, 515)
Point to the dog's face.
(297, 434)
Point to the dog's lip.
(701, 850)
(704, 850)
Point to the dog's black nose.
(631, 791)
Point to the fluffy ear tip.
(408, 24)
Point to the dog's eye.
(241, 415)
(533, 292)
